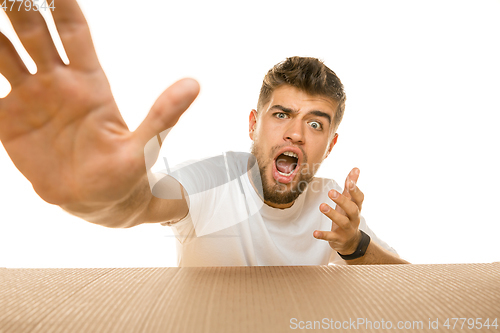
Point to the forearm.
(124, 213)
(375, 255)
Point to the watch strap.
(360, 250)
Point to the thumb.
(167, 109)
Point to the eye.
(280, 115)
(316, 125)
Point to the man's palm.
(61, 127)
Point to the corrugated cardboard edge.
(247, 299)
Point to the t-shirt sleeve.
(212, 186)
(363, 226)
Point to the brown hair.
(310, 75)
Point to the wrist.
(361, 247)
(120, 213)
(352, 246)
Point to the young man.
(62, 129)
(267, 208)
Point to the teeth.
(291, 154)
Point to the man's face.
(292, 135)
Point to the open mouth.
(286, 163)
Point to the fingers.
(346, 216)
(351, 177)
(348, 206)
(338, 218)
(33, 33)
(11, 65)
(356, 195)
(351, 190)
(167, 109)
(73, 31)
(326, 235)
(75, 35)
(334, 237)
(343, 243)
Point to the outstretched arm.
(62, 128)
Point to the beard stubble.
(275, 192)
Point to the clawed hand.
(345, 235)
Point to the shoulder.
(210, 172)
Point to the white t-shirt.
(229, 225)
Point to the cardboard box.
(424, 298)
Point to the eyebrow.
(314, 112)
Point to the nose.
(295, 132)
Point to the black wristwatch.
(360, 250)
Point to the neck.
(280, 206)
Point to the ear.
(252, 122)
(332, 143)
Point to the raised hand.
(61, 126)
(344, 236)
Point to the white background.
(422, 81)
